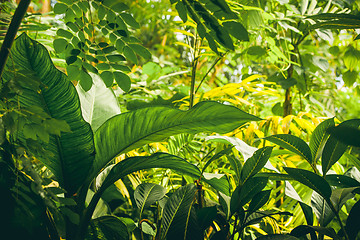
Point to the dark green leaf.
(352, 222)
(123, 80)
(148, 193)
(206, 216)
(342, 181)
(108, 227)
(181, 9)
(60, 45)
(277, 237)
(64, 33)
(303, 230)
(259, 200)
(140, 50)
(292, 143)
(237, 30)
(129, 20)
(312, 180)
(349, 135)
(307, 210)
(85, 81)
(108, 78)
(255, 163)
(130, 54)
(319, 137)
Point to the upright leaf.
(72, 153)
(98, 104)
(254, 164)
(148, 193)
(334, 148)
(134, 129)
(179, 219)
(318, 138)
(292, 143)
(312, 180)
(258, 201)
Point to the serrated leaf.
(292, 143)
(312, 180)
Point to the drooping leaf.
(292, 143)
(322, 210)
(137, 128)
(157, 160)
(179, 219)
(318, 138)
(341, 181)
(312, 180)
(237, 30)
(349, 135)
(148, 193)
(98, 104)
(334, 148)
(303, 230)
(307, 210)
(72, 153)
(254, 164)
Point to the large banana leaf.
(72, 154)
(134, 129)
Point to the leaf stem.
(11, 33)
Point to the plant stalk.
(11, 33)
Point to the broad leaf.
(292, 143)
(310, 179)
(157, 160)
(179, 219)
(303, 230)
(134, 129)
(218, 181)
(342, 181)
(322, 210)
(347, 134)
(258, 201)
(244, 193)
(72, 153)
(148, 193)
(334, 148)
(98, 104)
(108, 227)
(352, 222)
(254, 164)
(318, 138)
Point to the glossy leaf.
(322, 210)
(259, 200)
(318, 138)
(307, 210)
(98, 104)
(334, 149)
(108, 227)
(179, 219)
(137, 128)
(72, 153)
(148, 193)
(312, 180)
(254, 164)
(292, 143)
(352, 222)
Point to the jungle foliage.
(180, 119)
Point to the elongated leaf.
(134, 129)
(307, 210)
(244, 193)
(148, 193)
(310, 179)
(292, 143)
(258, 201)
(318, 138)
(352, 222)
(322, 210)
(342, 181)
(157, 160)
(217, 156)
(178, 216)
(72, 154)
(108, 227)
(277, 237)
(349, 135)
(254, 164)
(303, 230)
(98, 104)
(334, 149)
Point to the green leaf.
(350, 77)
(303, 230)
(292, 143)
(72, 153)
(60, 45)
(318, 138)
(108, 78)
(277, 237)
(129, 20)
(254, 164)
(130, 54)
(206, 216)
(140, 50)
(148, 193)
(179, 219)
(322, 210)
(334, 149)
(237, 30)
(98, 104)
(310, 179)
(352, 222)
(157, 160)
(244, 193)
(259, 200)
(143, 126)
(60, 8)
(64, 33)
(108, 227)
(349, 135)
(341, 181)
(85, 80)
(123, 80)
(307, 210)
(181, 9)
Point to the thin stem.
(207, 73)
(11, 33)
(193, 74)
